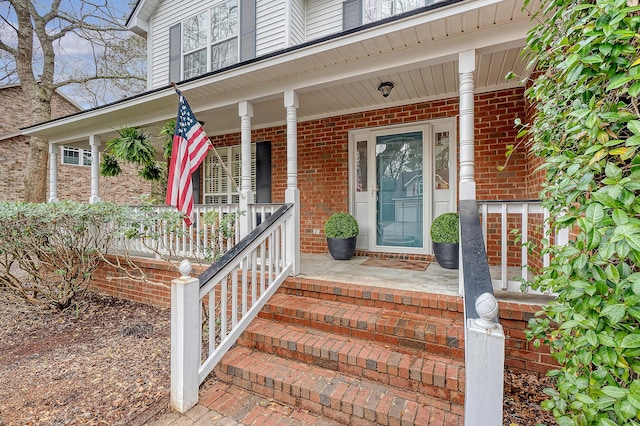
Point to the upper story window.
(359, 12)
(75, 156)
(375, 10)
(210, 39)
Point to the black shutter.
(247, 30)
(263, 172)
(351, 14)
(195, 182)
(175, 53)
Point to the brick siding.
(74, 182)
(323, 155)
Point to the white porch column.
(467, 191)
(292, 193)
(95, 142)
(466, 67)
(245, 110)
(53, 172)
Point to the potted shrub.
(341, 230)
(445, 237)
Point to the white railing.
(203, 237)
(529, 218)
(210, 312)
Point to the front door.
(399, 202)
(402, 178)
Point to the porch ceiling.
(418, 54)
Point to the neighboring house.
(328, 101)
(74, 163)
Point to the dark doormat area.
(412, 265)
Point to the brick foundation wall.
(520, 354)
(155, 291)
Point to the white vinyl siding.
(324, 17)
(270, 26)
(297, 31)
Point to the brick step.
(332, 394)
(419, 372)
(435, 305)
(247, 408)
(404, 330)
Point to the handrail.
(477, 277)
(209, 313)
(266, 272)
(484, 337)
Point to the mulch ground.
(107, 362)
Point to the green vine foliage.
(587, 131)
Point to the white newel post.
(484, 366)
(94, 141)
(467, 190)
(185, 339)
(245, 110)
(292, 193)
(53, 172)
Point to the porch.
(433, 279)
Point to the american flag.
(190, 147)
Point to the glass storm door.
(399, 201)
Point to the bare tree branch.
(37, 58)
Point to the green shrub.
(341, 225)
(586, 129)
(445, 228)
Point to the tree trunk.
(36, 171)
(35, 178)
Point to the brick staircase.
(327, 353)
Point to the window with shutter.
(218, 187)
(214, 39)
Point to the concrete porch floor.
(434, 280)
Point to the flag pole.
(224, 167)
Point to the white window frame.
(83, 154)
(210, 43)
(218, 187)
(375, 10)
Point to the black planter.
(342, 248)
(446, 254)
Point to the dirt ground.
(106, 362)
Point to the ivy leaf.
(614, 392)
(615, 313)
(634, 400)
(634, 89)
(595, 213)
(620, 217)
(634, 126)
(631, 341)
